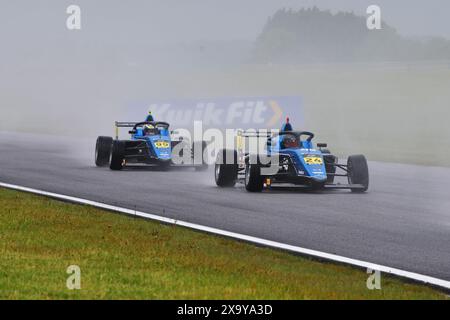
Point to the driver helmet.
(290, 141)
(148, 128)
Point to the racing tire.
(103, 151)
(254, 182)
(226, 173)
(203, 145)
(358, 172)
(117, 155)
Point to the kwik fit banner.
(223, 113)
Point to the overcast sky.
(174, 21)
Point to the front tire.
(118, 155)
(254, 182)
(358, 172)
(103, 151)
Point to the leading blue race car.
(295, 161)
(150, 144)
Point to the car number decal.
(313, 160)
(162, 144)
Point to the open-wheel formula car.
(299, 163)
(150, 144)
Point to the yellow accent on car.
(162, 144)
(313, 160)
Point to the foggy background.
(383, 93)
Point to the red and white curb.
(259, 241)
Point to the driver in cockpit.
(149, 130)
(290, 141)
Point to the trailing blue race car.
(294, 160)
(150, 144)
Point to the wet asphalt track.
(403, 222)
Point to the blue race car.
(150, 144)
(295, 161)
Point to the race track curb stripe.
(259, 241)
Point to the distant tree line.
(313, 35)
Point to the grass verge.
(127, 258)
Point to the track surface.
(403, 222)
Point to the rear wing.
(269, 136)
(119, 124)
(125, 124)
(242, 137)
(258, 134)
(255, 133)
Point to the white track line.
(268, 243)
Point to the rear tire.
(103, 151)
(358, 172)
(118, 155)
(254, 182)
(226, 173)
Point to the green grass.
(128, 258)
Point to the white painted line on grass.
(268, 243)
